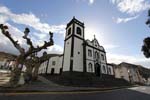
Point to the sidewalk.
(44, 85)
(48, 88)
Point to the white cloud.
(124, 20)
(90, 33)
(118, 58)
(27, 19)
(30, 20)
(55, 49)
(4, 10)
(131, 6)
(110, 46)
(89, 1)
(3, 18)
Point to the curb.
(67, 91)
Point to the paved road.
(138, 93)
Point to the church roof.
(74, 20)
(125, 64)
(94, 43)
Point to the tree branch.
(8, 35)
(29, 42)
(44, 46)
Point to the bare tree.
(32, 65)
(21, 58)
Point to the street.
(136, 93)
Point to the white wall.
(124, 73)
(78, 55)
(42, 68)
(67, 53)
(117, 72)
(57, 66)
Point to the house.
(129, 72)
(79, 56)
(52, 66)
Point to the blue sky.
(119, 25)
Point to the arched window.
(78, 30)
(96, 55)
(69, 31)
(90, 68)
(89, 52)
(104, 69)
(109, 70)
(102, 56)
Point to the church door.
(97, 69)
(52, 71)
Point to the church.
(79, 55)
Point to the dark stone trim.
(72, 49)
(84, 58)
(73, 35)
(78, 37)
(90, 59)
(99, 62)
(96, 48)
(71, 65)
(47, 66)
(68, 37)
(75, 21)
(72, 43)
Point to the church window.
(102, 56)
(69, 31)
(96, 55)
(53, 63)
(104, 69)
(89, 53)
(90, 68)
(78, 30)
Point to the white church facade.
(79, 55)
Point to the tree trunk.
(35, 72)
(16, 71)
(15, 75)
(28, 73)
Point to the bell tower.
(73, 46)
